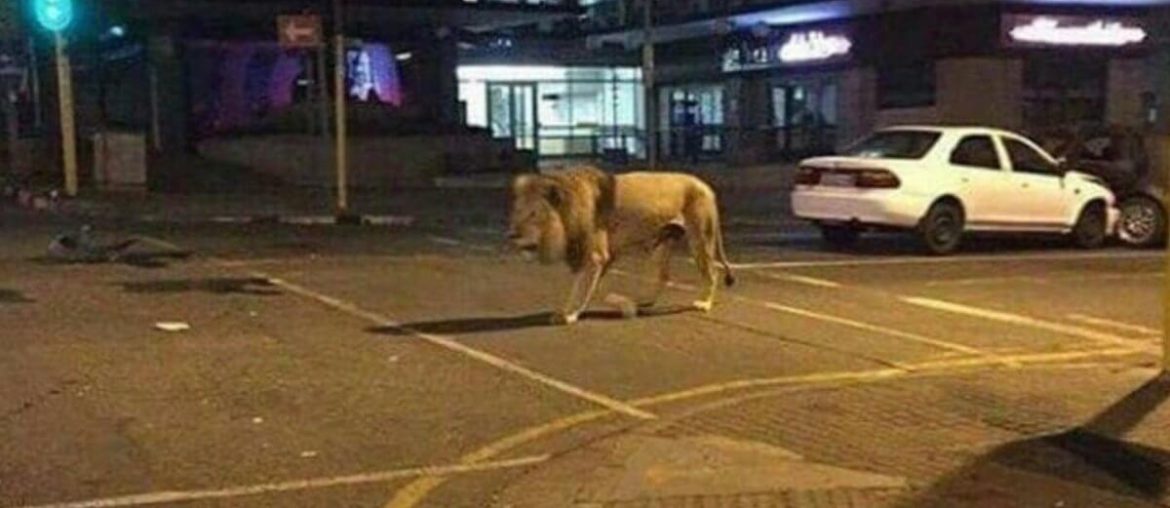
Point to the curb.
(52, 202)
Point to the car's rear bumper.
(890, 208)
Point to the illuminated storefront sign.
(1029, 30)
(796, 48)
(813, 46)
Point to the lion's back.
(657, 193)
(645, 202)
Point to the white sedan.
(942, 182)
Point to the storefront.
(691, 121)
(557, 111)
(800, 73)
(796, 91)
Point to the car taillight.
(808, 175)
(877, 179)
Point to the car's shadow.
(893, 244)
(464, 326)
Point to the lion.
(589, 219)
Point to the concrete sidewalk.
(1057, 436)
(460, 198)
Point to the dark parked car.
(1122, 158)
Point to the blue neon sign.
(54, 15)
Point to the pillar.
(169, 112)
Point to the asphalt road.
(413, 366)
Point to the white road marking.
(1117, 325)
(178, 496)
(882, 330)
(913, 337)
(975, 281)
(979, 281)
(454, 345)
(442, 240)
(944, 260)
(800, 279)
(1018, 319)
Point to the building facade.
(750, 82)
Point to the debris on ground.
(172, 326)
(84, 247)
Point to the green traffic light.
(54, 15)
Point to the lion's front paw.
(703, 305)
(561, 319)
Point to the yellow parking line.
(180, 496)
(1117, 325)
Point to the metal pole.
(323, 91)
(339, 93)
(12, 127)
(155, 116)
(68, 131)
(33, 65)
(651, 111)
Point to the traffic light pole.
(68, 130)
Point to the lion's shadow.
(464, 326)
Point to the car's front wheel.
(1091, 228)
(840, 237)
(941, 230)
(1142, 223)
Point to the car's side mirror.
(1062, 165)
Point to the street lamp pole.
(339, 94)
(648, 85)
(68, 130)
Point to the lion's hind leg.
(703, 251)
(668, 239)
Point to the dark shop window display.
(906, 85)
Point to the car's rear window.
(900, 144)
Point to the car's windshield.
(899, 144)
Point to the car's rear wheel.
(840, 237)
(1142, 223)
(1091, 228)
(941, 230)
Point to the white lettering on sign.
(1044, 30)
(815, 45)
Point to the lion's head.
(534, 225)
(557, 216)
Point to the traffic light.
(53, 15)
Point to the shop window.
(804, 117)
(906, 85)
(1065, 91)
(694, 120)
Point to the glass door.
(512, 113)
(804, 117)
